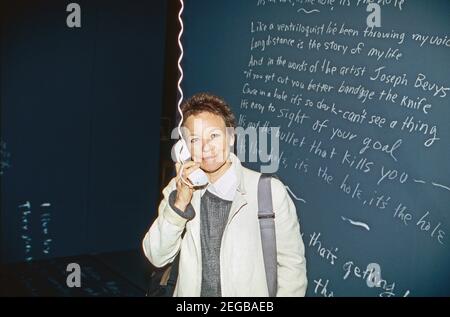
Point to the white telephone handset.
(181, 153)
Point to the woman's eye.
(215, 135)
(194, 140)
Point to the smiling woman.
(209, 143)
(221, 252)
(205, 126)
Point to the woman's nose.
(207, 146)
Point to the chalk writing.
(5, 162)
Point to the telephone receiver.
(181, 153)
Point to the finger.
(185, 170)
(189, 164)
(192, 167)
(182, 178)
(185, 182)
(188, 172)
(177, 167)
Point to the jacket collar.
(236, 164)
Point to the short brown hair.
(206, 102)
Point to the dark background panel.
(46, 87)
(125, 122)
(81, 126)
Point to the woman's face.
(208, 141)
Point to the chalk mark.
(308, 12)
(27, 204)
(357, 223)
(439, 185)
(293, 195)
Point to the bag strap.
(266, 218)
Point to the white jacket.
(242, 270)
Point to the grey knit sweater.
(213, 219)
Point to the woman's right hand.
(184, 192)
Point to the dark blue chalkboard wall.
(79, 126)
(364, 128)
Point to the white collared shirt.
(225, 187)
